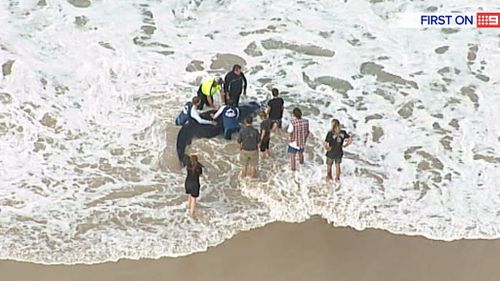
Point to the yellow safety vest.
(209, 87)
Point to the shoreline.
(312, 250)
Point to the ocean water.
(89, 90)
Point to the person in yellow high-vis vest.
(208, 89)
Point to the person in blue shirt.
(230, 115)
(183, 117)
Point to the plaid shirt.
(300, 132)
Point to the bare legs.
(329, 172)
(191, 204)
(337, 170)
(265, 154)
(293, 160)
(274, 127)
(252, 171)
(243, 171)
(251, 161)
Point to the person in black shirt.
(275, 109)
(336, 139)
(235, 83)
(265, 133)
(192, 183)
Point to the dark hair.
(236, 67)
(219, 80)
(275, 92)
(195, 100)
(194, 165)
(194, 160)
(297, 113)
(249, 120)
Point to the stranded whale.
(192, 130)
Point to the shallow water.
(89, 90)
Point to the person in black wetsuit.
(192, 183)
(235, 84)
(336, 139)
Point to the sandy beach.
(312, 250)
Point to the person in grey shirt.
(249, 142)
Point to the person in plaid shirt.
(299, 131)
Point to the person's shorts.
(249, 157)
(277, 122)
(295, 150)
(264, 145)
(192, 188)
(336, 160)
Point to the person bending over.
(194, 116)
(207, 90)
(183, 117)
(230, 115)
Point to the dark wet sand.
(312, 250)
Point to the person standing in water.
(265, 133)
(235, 83)
(275, 108)
(249, 142)
(336, 139)
(299, 131)
(207, 91)
(192, 183)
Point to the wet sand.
(312, 250)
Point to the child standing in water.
(265, 133)
(334, 144)
(192, 184)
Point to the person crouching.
(230, 115)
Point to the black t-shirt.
(276, 105)
(193, 173)
(266, 126)
(336, 142)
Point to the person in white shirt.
(193, 114)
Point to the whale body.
(193, 130)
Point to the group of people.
(250, 139)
